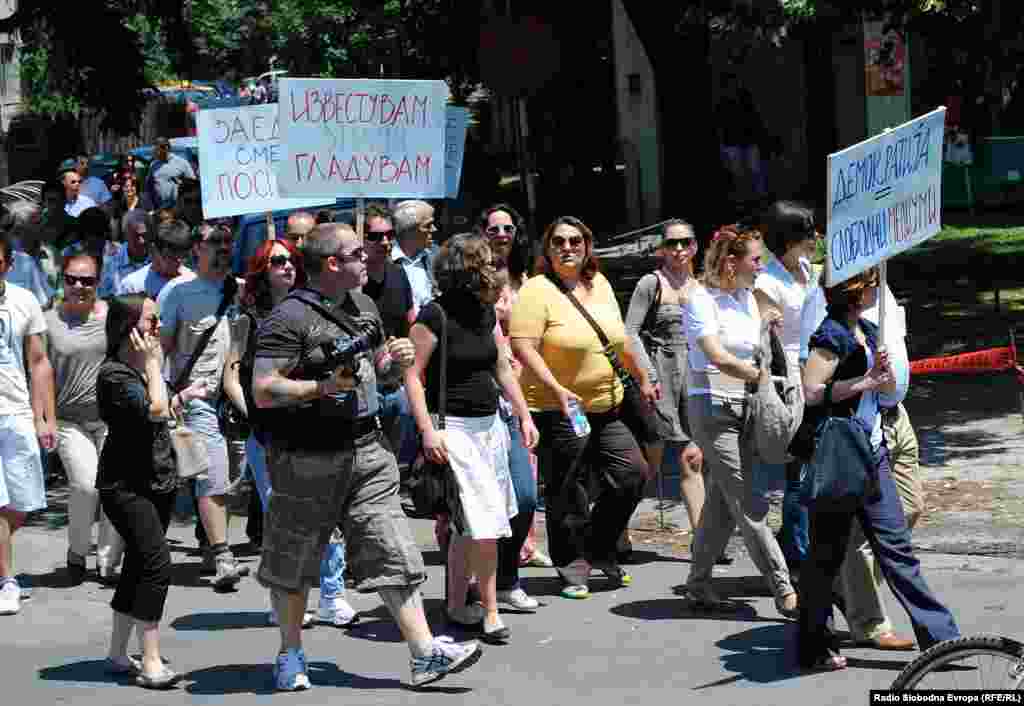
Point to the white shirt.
(20, 316)
(75, 208)
(735, 320)
(420, 279)
(788, 294)
(814, 312)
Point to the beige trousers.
(860, 580)
(79, 446)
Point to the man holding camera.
(327, 458)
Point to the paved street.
(641, 645)
(635, 646)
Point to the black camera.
(343, 352)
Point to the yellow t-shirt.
(568, 344)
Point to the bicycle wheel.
(978, 662)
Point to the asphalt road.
(639, 645)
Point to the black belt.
(361, 431)
(389, 388)
(358, 433)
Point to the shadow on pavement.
(641, 556)
(684, 609)
(86, 671)
(730, 586)
(257, 679)
(237, 620)
(377, 625)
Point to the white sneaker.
(10, 598)
(517, 599)
(448, 657)
(336, 612)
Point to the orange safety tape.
(991, 360)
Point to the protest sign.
(456, 122)
(239, 149)
(362, 138)
(884, 196)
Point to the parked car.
(251, 230)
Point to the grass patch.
(995, 234)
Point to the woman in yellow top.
(567, 378)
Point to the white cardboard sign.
(362, 138)
(239, 151)
(884, 196)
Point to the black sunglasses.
(85, 281)
(673, 243)
(280, 260)
(375, 236)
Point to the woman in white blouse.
(723, 328)
(783, 286)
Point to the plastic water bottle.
(578, 418)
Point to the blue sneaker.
(290, 671)
(447, 658)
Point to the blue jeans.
(525, 486)
(399, 425)
(793, 535)
(332, 562)
(885, 527)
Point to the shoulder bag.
(191, 457)
(775, 409)
(842, 472)
(635, 412)
(431, 489)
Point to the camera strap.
(347, 326)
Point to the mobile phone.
(154, 326)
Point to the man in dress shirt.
(414, 233)
(74, 200)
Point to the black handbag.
(842, 473)
(634, 411)
(430, 489)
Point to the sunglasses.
(85, 281)
(280, 260)
(508, 229)
(673, 243)
(375, 236)
(559, 241)
(354, 256)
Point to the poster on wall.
(884, 60)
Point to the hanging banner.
(884, 60)
(239, 149)
(362, 138)
(884, 196)
(456, 124)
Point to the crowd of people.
(506, 365)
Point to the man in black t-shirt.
(388, 286)
(328, 462)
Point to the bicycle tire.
(950, 651)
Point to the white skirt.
(478, 455)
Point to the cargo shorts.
(355, 489)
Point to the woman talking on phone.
(575, 396)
